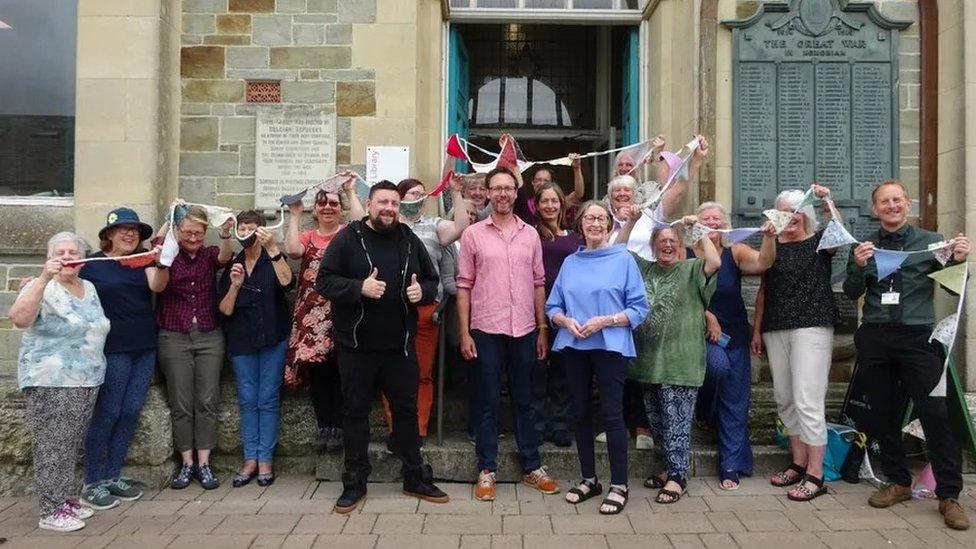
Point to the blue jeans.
(120, 399)
(515, 356)
(259, 376)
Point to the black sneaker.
(205, 477)
(181, 477)
(351, 495)
(562, 438)
(333, 442)
(420, 485)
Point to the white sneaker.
(61, 520)
(644, 442)
(78, 510)
(601, 438)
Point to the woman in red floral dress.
(311, 361)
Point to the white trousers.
(800, 363)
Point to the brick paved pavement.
(296, 513)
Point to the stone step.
(455, 461)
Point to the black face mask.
(247, 242)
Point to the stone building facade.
(162, 111)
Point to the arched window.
(519, 100)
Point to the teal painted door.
(630, 87)
(458, 89)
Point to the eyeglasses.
(502, 189)
(595, 218)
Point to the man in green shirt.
(893, 346)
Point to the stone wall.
(306, 45)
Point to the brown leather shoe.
(890, 495)
(485, 489)
(541, 481)
(954, 515)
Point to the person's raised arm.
(236, 279)
(293, 244)
(574, 198)
(356, 210)
(450, 230)
(675, 194)
(752, 262)
(27, 306)
(226, 248)
(270, 244)
(713, 260)
(633, 214)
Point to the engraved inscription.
(757, 132)
(871, 120)
(833, 134)
(795, 125)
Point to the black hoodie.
(384, 324)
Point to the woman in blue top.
(597, 298)
(724, 396)
(257, 326)
(130, 355)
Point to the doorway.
(558, 89)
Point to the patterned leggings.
(57, 417)
(670, 410)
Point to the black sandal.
(594, 489)
(673, 497)
(807, 494)
(654, 483)
(242, 479)
(617, 506)
(789, 480)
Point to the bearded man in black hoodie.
(375, 272)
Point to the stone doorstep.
(456, 461)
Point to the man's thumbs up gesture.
(414, 291)
(372, 287)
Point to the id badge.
(890, 298)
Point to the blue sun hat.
(125, 216)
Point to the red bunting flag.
(455, 149)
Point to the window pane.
(593, 4)
(545, 3)
(497, 3)
(37, 106)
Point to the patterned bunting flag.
(696, 233)
(888, 261)
(942, 255)
(835, 236)
(809, 199)
(945, 330)
(779, 219)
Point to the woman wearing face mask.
(310, 362)
(191, 345)
(551, 397)
(59, 370)
(252, 299)
(795, 317)
(130, 354)
(671, 350)
(596, 299)
(435, 233)
(724, 396)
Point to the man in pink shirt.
(501, 317)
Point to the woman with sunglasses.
(310, 362)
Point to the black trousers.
(397, 376)
(326, 393)
(899, 361)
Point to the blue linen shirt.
(595, 283)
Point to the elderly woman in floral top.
(60, 367)
(310, 362)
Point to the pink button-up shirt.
(502, 276)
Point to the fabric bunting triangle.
(455, 149)
(738, 235)
(835, 235)
(809, 199)
(952, 278)
(779, 219)
(945, 330)
(696, 233)
(888, 261)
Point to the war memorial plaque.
(292, 152)
(813, 100)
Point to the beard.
(382, 226)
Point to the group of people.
(534, 289)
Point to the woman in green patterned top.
(670, 342)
